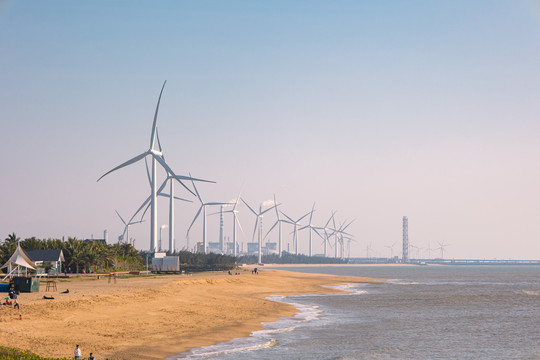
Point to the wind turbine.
(441, 247)
(157, 157)
(295, 232)
(310, 227)
(338, 235)
(203, 209)
(418, 248)
(170, 179)
(326, 230)
(258, 222)
(391, 247)
(127, 225)
(429, 249)
(278, 223)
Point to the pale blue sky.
(376, 109)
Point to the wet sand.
(154, 316)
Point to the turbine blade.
(312, 210)
(148, 171)
(120, 217)
(316, 232)
(170, 171)
(270, 208)
(181, 177)
(158, 142)
(255, 229)
(162, 186)
(238, 222)
(291, 220)
(155, 118)
(249, 207)
(272, 228)
(140, 208)
(145, 210)
(275, 207)
(302, 217)
(196, 191)
(129, 162)
(194, 219)
(236, 202)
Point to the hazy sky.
(375, 109)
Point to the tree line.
(97, 256)
(79, 255)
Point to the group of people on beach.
(78, 354)
(12, 299)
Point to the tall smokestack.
(405, 239)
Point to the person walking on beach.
(77, 352)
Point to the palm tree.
(12, 238)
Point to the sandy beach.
(152, 317)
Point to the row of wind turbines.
(330, 231)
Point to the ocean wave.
(230, 347)
(258, 339)
(402, 282)
(349, 289)
(531, 292)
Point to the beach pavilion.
(18, 264)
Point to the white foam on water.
(402, 282)
(349, 289)
(258, 339)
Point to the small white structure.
(17, 262)
(161, 262)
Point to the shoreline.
(155, 317)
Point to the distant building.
(104, 240)
(252, 247)
(214, 247)
(270, 248)
(53, 258)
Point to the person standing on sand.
(91, 357)
(77, 352)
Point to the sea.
(422, 312)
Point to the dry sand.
(152, 317)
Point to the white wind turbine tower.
(295, 232)
(441, 247)
(391, 247)
(203, 209)
(258, 222)
(126, 226)
(170, 179)
(339, 233)
(418, 248)
(310, 227)
(157, 156)
(349, 239)
(278, 223)
(429, 249)
(326, 230)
